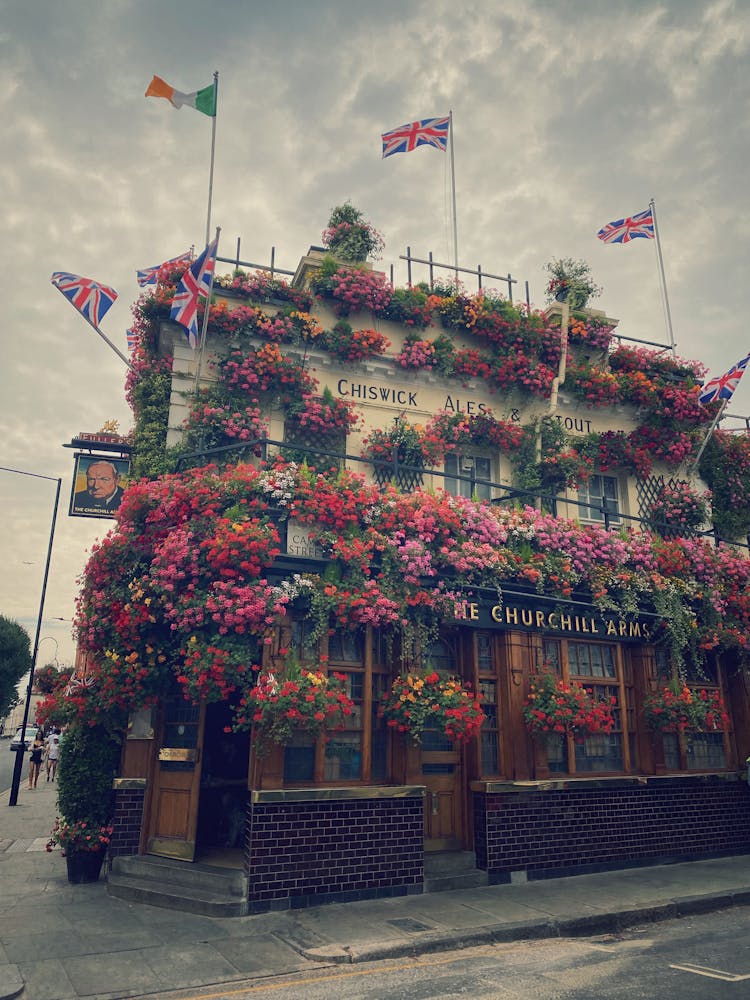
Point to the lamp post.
(57, 647)
(18, 766)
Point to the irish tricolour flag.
(202, 100)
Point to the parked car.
(15, 743)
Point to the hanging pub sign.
(98, 485)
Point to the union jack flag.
(194, 282)
(427, 132)
(132, 339)
(148, 275)
(91, 299)
(723, 387)
(625, 230)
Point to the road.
(697, 958)
(7, 760)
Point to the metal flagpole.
(213, 148)
(709, 432)
(667, 312)
(204, 328)
(104, 337)
(453, 195)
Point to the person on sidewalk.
(53, 753)
(35, 760)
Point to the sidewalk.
(63, 942)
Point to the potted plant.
(84, 845)
(88, 758)
(570, 280)
(292, 700)
(349, 237)
(419, 701)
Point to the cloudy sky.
(567, 114)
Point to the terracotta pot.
(84, 866)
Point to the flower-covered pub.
(416, 570)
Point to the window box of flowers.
(419, 701)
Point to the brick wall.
(334, 850)
(549, 833)
(127, 821)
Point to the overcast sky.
(568, 114)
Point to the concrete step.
(179, 885)
(175, 897)
(447, 870)
(230, 881)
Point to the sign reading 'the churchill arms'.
(484, 614)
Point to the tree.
(15, 661)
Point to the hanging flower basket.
(554, 706)
(432, 701)
(677, 708)
(285, 703)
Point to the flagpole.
(204, 328)
(709, 432)
(453, 195)
(104, 337)
(660, 260)
(213, 148)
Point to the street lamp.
(18, 766)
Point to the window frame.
(591, 511)
(455, 486)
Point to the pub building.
(366, 812)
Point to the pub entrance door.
(442, 774)
(173, 809)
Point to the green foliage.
(566, 274)
(151, 405)
(88, 761)
(349, 236)
(15, 661)
(725, 467)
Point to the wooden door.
(442, 776)
(173, 813)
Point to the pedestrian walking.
(53, 753)
(35, 760)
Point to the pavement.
(63, 942)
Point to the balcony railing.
(410, 477)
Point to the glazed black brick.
(561, 832)
(314, 852)
(127, 820)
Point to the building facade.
(369, 512)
